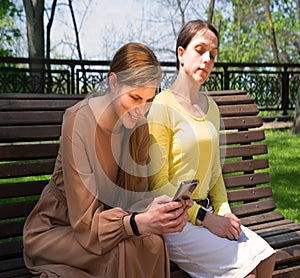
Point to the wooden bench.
(29, 131)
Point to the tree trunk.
(296, 124)
(48, 47)
(34, 10)
(84, 89)
(211, 11)
(49, 26)
(271, 31)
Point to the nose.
(142, 109)
(206, 56)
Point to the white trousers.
(202, 254)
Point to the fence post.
(285, 91)
(72, 79)
(226, 78)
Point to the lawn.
(284, 162)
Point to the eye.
(213, 54)
(135, 97)
(150, 100)
(200, 50)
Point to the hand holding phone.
(185, 190)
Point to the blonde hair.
(136, 65)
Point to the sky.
(92, 23)
(100, 16)
(104, 25)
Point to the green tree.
(9, 14)
(256, 31)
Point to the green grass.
(284, 163)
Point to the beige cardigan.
(76, 229)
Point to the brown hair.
(189, 30)
(136, 65)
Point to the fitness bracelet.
(133, 225)
(200, 216)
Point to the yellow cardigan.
(183, 147)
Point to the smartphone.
(185, 190)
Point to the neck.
(107, 118)
(185, 86)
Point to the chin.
(127, 123)
(129, 126)
(200, 80)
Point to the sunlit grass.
(284, 161)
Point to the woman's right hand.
(228, 226)
(163, 216)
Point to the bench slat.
(233, 99)
(262, 218)
(243, 151)
(30, 117)
(288, 254)
(249, 194)
(26, 168)
(262, 227)
(11, 264)
(241, 122)
(11, 229)
(36, 105)
(245, 165)
(242, 137)
(283, 240)
(253, 208)
(22, 189)
(16, 209)
(9, 134)
(30, 151)
(287, 272)
(41, 97)
(227, 92)
(18, 273)
(11, 249)
(271, 231)
(238, 110)
(246, 180)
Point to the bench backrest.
(29, 132)
(245, 167)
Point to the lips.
(203, 69)
(132, 117)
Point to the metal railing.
(274, 86)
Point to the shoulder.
(164, 97)
(213, 113)
(212, 103)
(79, 114)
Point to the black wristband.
(201, 214)
(133, 225)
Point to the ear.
(113, 82)
(180, 52)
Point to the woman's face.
(131, 104)
(197, 60)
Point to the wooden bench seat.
(29, 131)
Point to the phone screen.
(185, 190)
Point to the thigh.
(203, 254)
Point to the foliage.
(243, 28)
(8, 32)
(245, 36)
